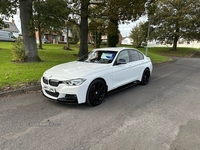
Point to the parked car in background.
(45, 41)
(92, 76)
(6, 36)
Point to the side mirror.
(120, 61)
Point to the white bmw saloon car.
(88, 79)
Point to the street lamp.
(149, 18)
(148, 35)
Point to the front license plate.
(53, 90)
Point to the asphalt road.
(164, 115)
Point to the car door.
(136, 64)
(121, 75)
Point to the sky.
(125, 29)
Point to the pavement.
(18, 91)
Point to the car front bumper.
(64, 93)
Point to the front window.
(99, 56)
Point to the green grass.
(14, 74)
(162, 54)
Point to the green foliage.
(139, 34)
(113, 33)
(175, 19)
(18, 50)
(113, 40)
(126, 10)
(104, 13)
(96, 27)
(50, 14)
(78, 44)
(75, 34)
(96, 39)
(7, 9)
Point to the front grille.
(56, 94)
(53, 82)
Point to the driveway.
(164, 115)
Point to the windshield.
(99, 56)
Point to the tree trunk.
(40, 37)
(176, 37)
(98, 40)
(113, 33)
(84, 28)
(67, 38)
(28, 31)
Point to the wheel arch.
(92, 102)
(102, 79)
(146, 69)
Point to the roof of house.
(11, 27)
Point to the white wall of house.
(127, 41)
(64, 33)
(192, 44)
(15, 34)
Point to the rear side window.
(133, 55)
(140, 56)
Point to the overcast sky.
(125, 29)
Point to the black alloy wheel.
(96, 92)
(145, 77)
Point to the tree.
(112, 11)
(113, 33)
(84, 28)
(139, 34)
(79, 17)
(50, 15)
(75, 34)
(28, 30)
(174, 19)
(121, 11)
(96, 28)
(7, 9)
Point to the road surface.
(164, 115)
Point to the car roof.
(113, 49)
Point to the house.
(12, 28)
(127, 41)
(56, 37)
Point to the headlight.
(74, 82)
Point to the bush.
(18, 50)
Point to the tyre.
(96, 92)
(145, 77)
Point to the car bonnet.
(74, 70)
